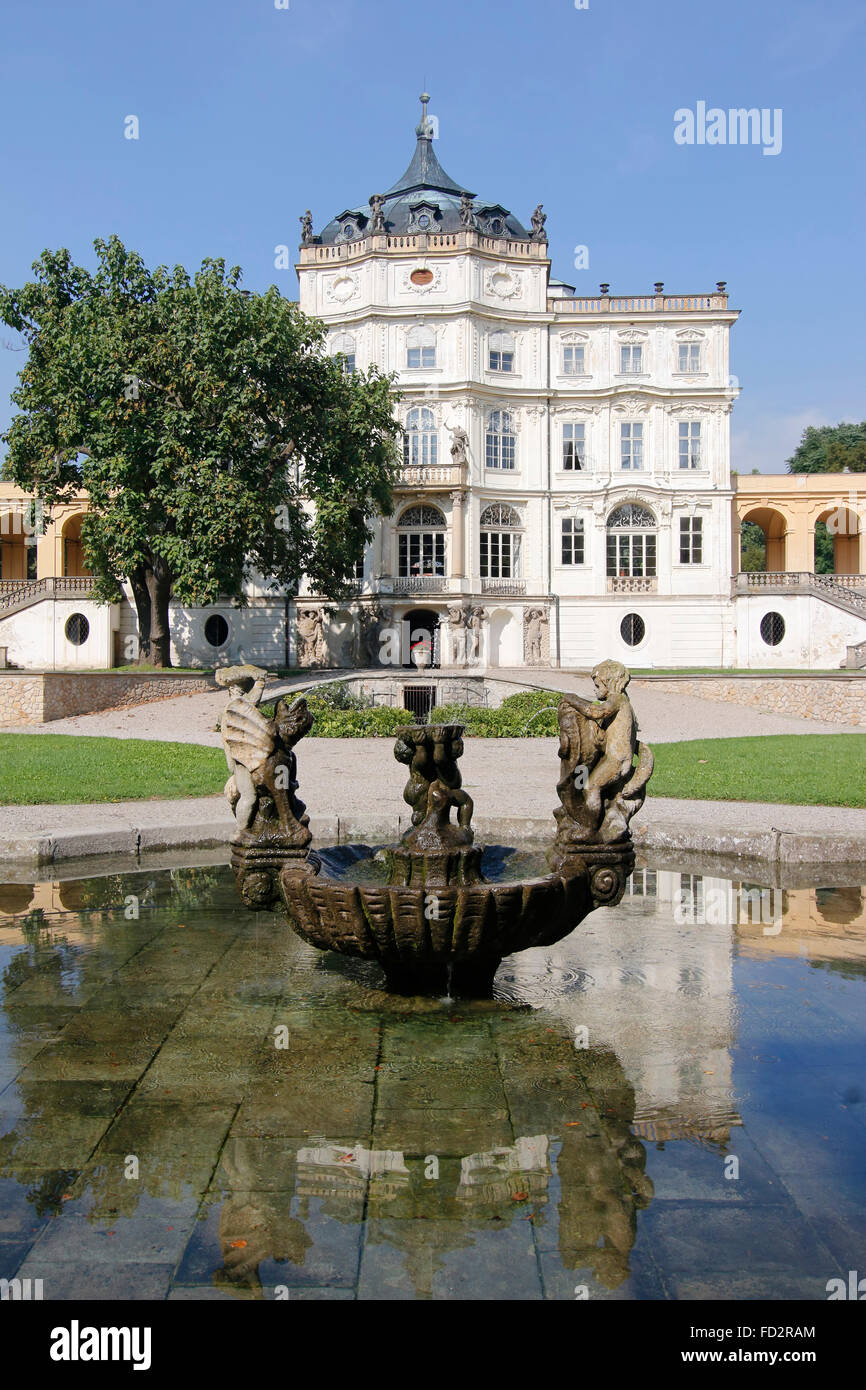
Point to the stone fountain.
(435, 924)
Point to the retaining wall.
(31, 697)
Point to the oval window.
(216, 630)
(632, 630)
(496, 226)
(421, 277)
(77, 629)
(772, 629)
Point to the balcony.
(439, 476)
(415, 584)
(632, 584)
(503, 586)
(846, 591)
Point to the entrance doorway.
(422, 637)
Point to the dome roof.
(424, 199)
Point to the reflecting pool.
(671, 1103)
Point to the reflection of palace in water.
(628, 1042)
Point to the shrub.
(529, 714)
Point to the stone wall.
(37, 698)
(836, 701)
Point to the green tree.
(753, 547)
(830, 449)
(825, 551)
(214, 435)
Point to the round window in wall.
(632, 630)
(216, 630)
(772, 629)
(77, 629)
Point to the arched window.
(421, 347)
(631, 541)
(500, 440)
(344, 346)
(500, 542)
(421, 542)
(501, 357)
(420, 443)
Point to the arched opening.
(422, 650)
(73, 556)
(17, 550)
(773, 525)
(837, 541)
(501, 534)
(631, 543)
(421, 543)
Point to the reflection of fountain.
(436, 923)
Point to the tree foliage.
(830, 449)
(214, 436)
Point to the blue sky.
(249, 114)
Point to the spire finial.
(424, 129)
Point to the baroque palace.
(566, 489)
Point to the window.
(631, 542)
(631, 446)
(689, 357)
(574, 360)
(501, 352)
(500, 542)
(420, 442)
(421, 348)
(572, 540)
(359, 568)
(691, 538)
(632, 630)
(642, 883)
(216, 630)
(499, 448)
(344, 347)
(690, 444)
(77, 629)
(421, 542)
(573, 451)
(630, 360)
(772, 629)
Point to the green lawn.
(37, 768)
(809, 769)
(804, 769)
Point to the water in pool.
(669, 1104)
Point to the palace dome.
(425, 199)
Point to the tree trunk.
(140, 593)
(159, 589)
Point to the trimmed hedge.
(529, 714)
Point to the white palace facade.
(566, 491)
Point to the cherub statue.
(600, 788)
(434, 786)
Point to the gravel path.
(663, 717)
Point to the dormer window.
(351, 225)
(422, 217)
(501, 356)
(494, 219)
(421, 348)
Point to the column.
(457, 535)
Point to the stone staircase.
(845, 591)
(16, 594)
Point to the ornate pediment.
(632, 335)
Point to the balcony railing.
(18, 592)
(439, 475)
(632, 584)
(415, 584)
(503, 586)
(640, 304)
